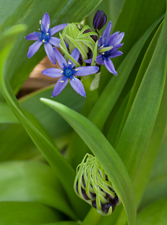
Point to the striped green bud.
(94, 186)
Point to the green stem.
(92, 217)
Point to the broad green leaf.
(62, 223)
(30, 12)
(6, 114)
(140, 74)
(26, 213)
(134, 12)
(32, 182)
(154, 214)
(105, 154)
(139, 125)
(64, 171)
(156, 187)
(54, 124)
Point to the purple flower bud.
(99, 20)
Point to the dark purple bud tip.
(94, 204)
(99, 20)
(106, 207)
(77, 187)
(84, 194)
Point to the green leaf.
(18, 213)
(6, 114)
(137, 131)
(156, 187)
(58, 128)
(109, 160)
(64, 171)
(62, 223)
(32, 182)
(137, 19)
(154, 214)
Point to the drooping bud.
(93, 185)
(99, 20)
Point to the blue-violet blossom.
(45, 36)
(99, 20)
(107, 40)
(67, 72)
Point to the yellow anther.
(76, 69)
(61, 81)
(72, 79)
(47, 33)
(103, 53)
(40, 22)
(62, 71)
(48, 26)
(43, 40)
(69, 63)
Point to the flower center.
(106, 54)
(68, 72)
(45, 36)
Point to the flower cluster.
(77, 45)
(94, 186)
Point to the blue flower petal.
(75, 54)
(54, 41)
(52, 72)
(111, 39)
(77, 85)
(88, 60)
(118, 39)
(45, 22)
(31, 37)
(116, 53)
(60, 59)
(57, 28)
(110, 66)
(86, 70)
(34, 48)
(99, 60)
(60, 85)
(107, 31)
(50, 53)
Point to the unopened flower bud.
(99, 20)
(93, 186)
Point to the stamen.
(76, 69)
(73, 79)
(47, 33)
(40, 22)
(48, 25)
(62, 71)
(43, 40)
(61, 81)
(69, 63)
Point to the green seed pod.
(93, 186)
(77, 36)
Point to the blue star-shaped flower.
(107, 40)
(67, 72)
(45, 37)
